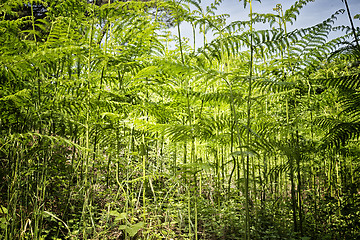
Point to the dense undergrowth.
(109, 133)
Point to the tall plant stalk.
(248, 125)
(351, 22)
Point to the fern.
(351, 82)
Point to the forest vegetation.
(111, 127)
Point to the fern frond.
(290, 14)
(350, 82)
(18, 98)
(351, 105)
(341, 133)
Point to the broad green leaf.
(2, 223)
(114, 213)
(122, 227)
(134, 228)
(122, 216)
(3, 210)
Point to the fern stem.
(248, 125)
(179, 33)
(144, 153)
(33, 20)
(351, 22)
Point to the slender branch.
(351, 22)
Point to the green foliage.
(107, 133)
